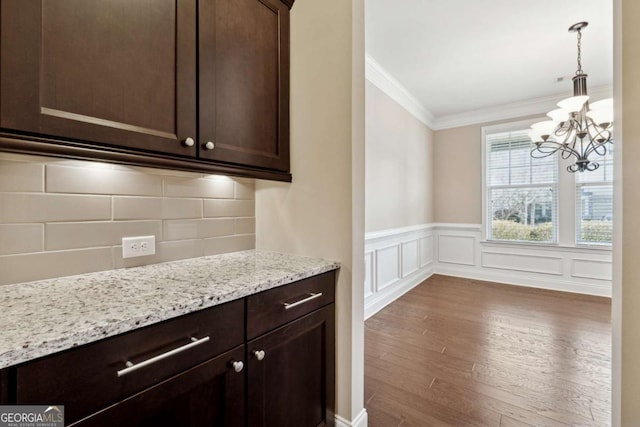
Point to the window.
(521, 197)
(536, 200)
(594, 203)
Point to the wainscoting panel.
(368, 274)
(410, 257)
(456, 249)
(522, 262)
(402, 258)
(591, 269)
(426, 251)
(387, 266)
(397, 260)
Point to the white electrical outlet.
(138, 246)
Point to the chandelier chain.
(579, 70)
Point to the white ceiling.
(457, 56)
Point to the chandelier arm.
(568, 149)
(598, 148)
(545, 148)
(596, 132)
(548, 148)
(592, 166)
(572, 168)
(568, 152)
(565, 132)
(537, 154)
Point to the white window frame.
(566, 198)
(502, 128)
(577, 186)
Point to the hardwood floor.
(459, 352)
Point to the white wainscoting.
(399, 259)
(562, 268)
(395, 261)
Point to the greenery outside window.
(521, 192)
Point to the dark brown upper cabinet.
(149, 82)
(102, 71)
(244, 82)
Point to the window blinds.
(521, 191)
(594, 202)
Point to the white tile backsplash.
(61, 217)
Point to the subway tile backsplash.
(62, 217)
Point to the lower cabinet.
(210, 394)
(290, 373)
(266, 360)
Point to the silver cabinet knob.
(209, 145)
(259, 354)
(189, 142)
(237, 366)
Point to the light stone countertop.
(44, 317)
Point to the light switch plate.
(138, 246)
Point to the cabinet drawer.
(210, 394)
(270, 309)
(91, 377)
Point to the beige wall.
(458, 173)
(399, 165)
(631, 206)
(321, 212)
(61, 217)
(457, 169)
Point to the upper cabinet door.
(112, 72)
(244, 82)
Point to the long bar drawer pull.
(311, 296)
(133, 367)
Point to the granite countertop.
(43, 317)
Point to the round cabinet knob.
(259, 354)
(209, 145)
(189, 142)
(237, 366)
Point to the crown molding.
(384, 81)
(513, 110)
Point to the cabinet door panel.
(211, 394)
(293, 385)
(244, 82)
(112, 72)
(4, 386)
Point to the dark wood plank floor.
(459, 352)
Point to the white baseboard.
(359, 421)
(519, 280)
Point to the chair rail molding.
(396, 260)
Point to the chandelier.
(577, 129)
